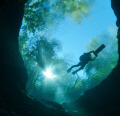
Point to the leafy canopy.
(39, 50)
(106, 60)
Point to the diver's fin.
(69, 70)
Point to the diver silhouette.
(85, 58)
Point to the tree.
(39, 51)
(40, 14)
(105, 62)
(39, 54)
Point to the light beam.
(48, 73)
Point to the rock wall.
(14, 100)
(116, 8)
(104, 99)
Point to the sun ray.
(48, 73)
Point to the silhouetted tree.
(46, 13)
(106, 60)
(38, 50)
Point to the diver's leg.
(73, 67)
(82, 66)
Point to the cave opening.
(53, 36)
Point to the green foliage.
(39, 51)
(35, 14)
(22, 40)
(100, 68)
(40, 14)
(75, 9)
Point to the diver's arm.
(88, 52)
(92, 59)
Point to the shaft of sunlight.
(48, 73)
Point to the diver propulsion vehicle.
(94, 54)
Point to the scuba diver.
(85, 58)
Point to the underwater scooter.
(94, 54)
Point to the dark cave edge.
(103, 100)
(14, 100)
